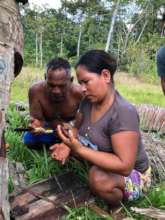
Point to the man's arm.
(36, 114)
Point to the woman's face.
(94, 86)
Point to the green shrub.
(140, 58)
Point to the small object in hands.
(84, 141)
(65, 131)
(39, 129)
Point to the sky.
(51, 3)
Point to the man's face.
(58, 83)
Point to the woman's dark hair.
(97, 60)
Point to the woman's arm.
(124, 144)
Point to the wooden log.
(150, 212)
(48, 198)
(4, 205)
(155, 149)
(42, 209)
(17, 175)
(152, 118)
(56, 184)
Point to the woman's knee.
(97, 179)
(102, 181)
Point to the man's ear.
(72, 78)
(106, 75)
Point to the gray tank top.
(122, 116)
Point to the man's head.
(58, 79)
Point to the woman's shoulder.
(122, 105)
(123, 111)
(124, 116)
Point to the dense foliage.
(133, 37)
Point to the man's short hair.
(58, 63)
(160, 60)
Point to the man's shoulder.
(37, 87)
(76, 90)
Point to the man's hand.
(60, 152)
(36, 126)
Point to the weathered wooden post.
(11, 61)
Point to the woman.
(120, 163)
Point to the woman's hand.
(68, 137)
(60, 152)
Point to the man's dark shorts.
(31, 139)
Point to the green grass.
(28, 76)
(81, 214)
(155, 197)
(134, 90)
(138, 92)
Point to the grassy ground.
(39, 165)
(138, 91)
(135, 90)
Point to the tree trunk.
(110, 33)
(36, 49)
(11, 61)
(41, 50)
(145, 23)
(79, 41)
(61, 45)
(4, 204)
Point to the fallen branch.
(150, 212)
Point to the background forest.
(131, 30)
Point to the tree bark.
(61, 44)
(41, 50)
(79, 41)
(110, 33)
(36, 49)
(11, 61)
(4, 204)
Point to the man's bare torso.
(44, 109)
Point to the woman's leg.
(108, 186)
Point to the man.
(52, 102)
(160, 60)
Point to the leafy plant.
(83, 213)
(42, 166)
